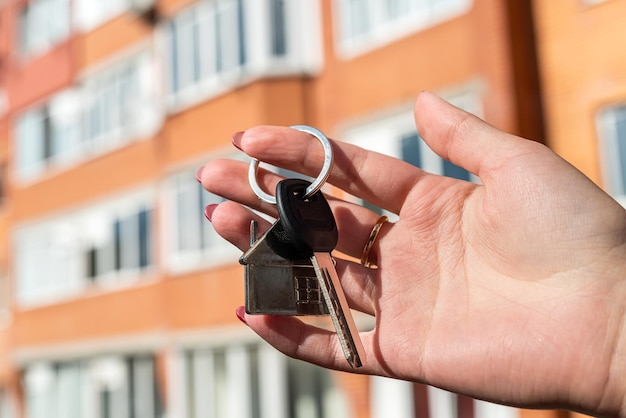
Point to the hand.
(513, 290)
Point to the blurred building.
(116, 296)
(583, 75)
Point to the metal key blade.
(339, 310)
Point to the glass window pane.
(38, 38)
(241, 36)
(201, 385)
(117, 244)
(129, 236)
(188, 214)
(410, 149)
(58, 20)
(207, 42)
(185, 47)
(145, 238)
(359, 18)
(174, 57)
(278, 27)
(143, 390)
(69, 391)
(106, 255)
(220, 384)
(210, 237)
(227, 21)
(620, 129)
(398, 8)
(39, 384)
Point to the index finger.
(377, 178)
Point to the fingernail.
(241, 314)
(199, 174)
(236, 140)
(208, 211)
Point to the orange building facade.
(583, 76)
(117, 298)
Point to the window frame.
(613, 168)
(257, 380)
(76, 238)
(382, 28)
(210, 250)
(133, 115)
(78, 387)
(7, 403)
(33, 36)
(251, 43)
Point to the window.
(401, 399)
(110, 245)
(48, 135)
(42, 25)
(53, 390)
(367, 24)
(112, 108)
(253, 381)
(119, 104)
(5, 304)
(215, 45)
(193, 243)
(7, 406)
(206, 41)
(103, 387)
(47, 265)
(31, 138)
(124, 387)
(612, 125)
(3, 182)
(89, 14)
(278, 25)
(126, 249)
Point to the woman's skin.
(512, 290)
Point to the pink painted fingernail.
(208, 211)
(236, 139)
(241, 314)
(199, 174)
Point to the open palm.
(511, 290)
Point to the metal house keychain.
(289, 270)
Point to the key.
(307, 228)
(276, 285)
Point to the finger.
(463, 138)
(306, 342)
(379, 179)
(232, 222)
(228, 179)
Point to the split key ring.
(315, 186)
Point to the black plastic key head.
(307, 225)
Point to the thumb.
(462, 138)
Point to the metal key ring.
(313, 187)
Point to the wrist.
(619, 363)
(615, 394)
(619, 370)
(609, 392)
